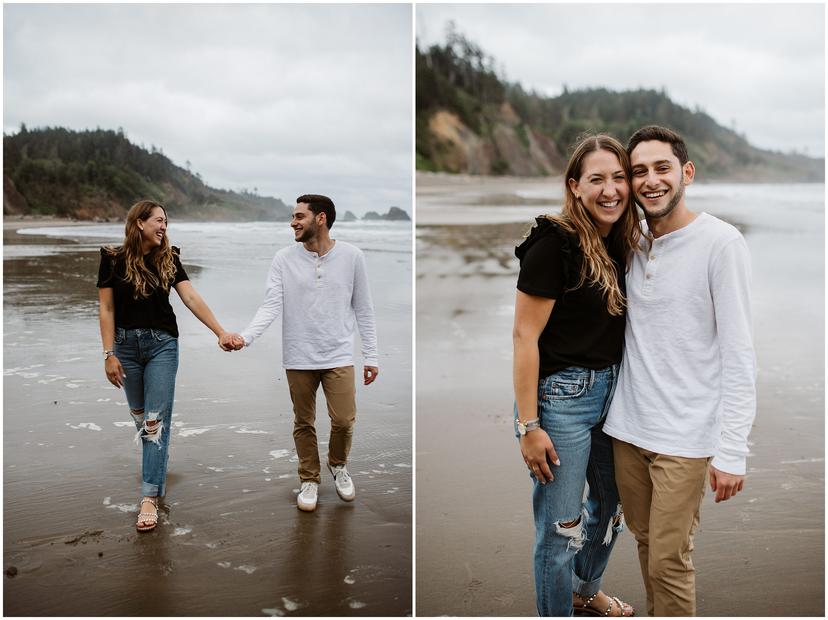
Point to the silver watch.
(108, 354)
(525, 427)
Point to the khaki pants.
(340, 395)
(661, 496)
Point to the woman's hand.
(114, 371)
(536, 447)
(230, 342)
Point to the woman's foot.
(601, 605)
(147, 515)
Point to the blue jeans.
(577, 515)
(150, 361)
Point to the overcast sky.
(759, 67)
(289, 99)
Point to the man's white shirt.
(687, 380)
(321, 300)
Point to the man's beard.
(670, 205)
(307, 235)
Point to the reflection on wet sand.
(474, 557)
(230, 540)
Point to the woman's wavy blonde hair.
(131, 251)
(597, 266)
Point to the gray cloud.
(758, 66)
(285, 98)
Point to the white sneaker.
(343, 483)
(308, 493)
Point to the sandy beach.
(231, 541)
(760, 554)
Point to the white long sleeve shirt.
(321, 299)
(687, 385)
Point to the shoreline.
(71, 471)
(14, 221)
(424, 178)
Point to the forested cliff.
(98, 174)
(472, 121)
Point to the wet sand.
(231, 541)
(759, 554)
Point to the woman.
(568, 341)
(140, 336)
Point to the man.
(685, 399)
(320, 288)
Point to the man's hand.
(725, 485)
(536, 447)
(231, 342)
(369, 373)
(114, 371)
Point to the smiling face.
(304, 223)
(658, 178)
(602, 188)
(153, 229)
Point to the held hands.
(231, 342)
(725, 485)
(536, 448)
(369, 373)
(114, 371)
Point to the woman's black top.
(580, 331)
(154, 311)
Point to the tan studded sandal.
(586, 609)
(147, 520)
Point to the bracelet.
(530, 425)
(108, 354)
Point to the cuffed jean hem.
(151, 490)
(585, 589)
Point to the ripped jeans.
(150, 361)
(577, 515)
